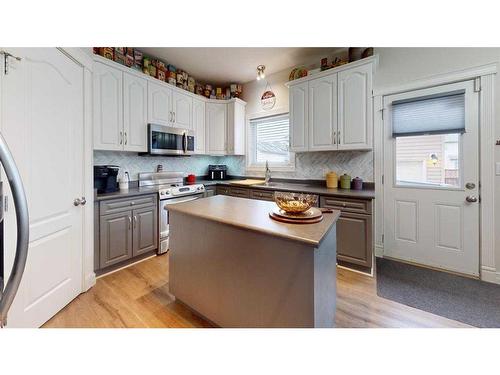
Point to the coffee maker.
(105, 178)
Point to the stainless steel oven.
(167, 140)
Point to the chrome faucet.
(268, 173)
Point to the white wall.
(400, 65)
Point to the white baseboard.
(89, 281)
(490, 275)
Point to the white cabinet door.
(216, 128)
(236, 128)
(199, 126)
(182, 108)
(299, 117)
(108, 108)
(135, 116)
(159, 104)
(323, 113)
(355, 108)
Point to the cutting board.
(247, 182)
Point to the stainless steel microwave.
(167, 140)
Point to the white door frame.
(484, 78)
(85, 60)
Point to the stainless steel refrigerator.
(11, 175)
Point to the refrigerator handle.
(22, 219)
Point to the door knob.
(471, 199)
(80, 201)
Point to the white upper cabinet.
(236, 127)
(216, 126)
(108, 108)
(135, 110)
(333, 111)
(199, 126)
(126, 101)
(355, 108)
(298, 117)
(182, 108)
(323, 113)
(159, 104)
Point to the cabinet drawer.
(120, 205)
(224, 190)
(264, 195)
(348, 205)
(239, 192)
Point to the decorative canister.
(345, 181)
(357, 183)
(332, 180)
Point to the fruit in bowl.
(294, 203)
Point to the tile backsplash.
(310, 165)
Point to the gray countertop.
(301, 188)
(275, 186)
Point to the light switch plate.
(497, 168)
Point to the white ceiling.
(221, 65)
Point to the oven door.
(167, 140)
(164, 231)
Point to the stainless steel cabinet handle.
(135, 221)
(125, 137)
(129, 222)
(83, 201)
(338, 137)
(174, 115)
(471, 199)
(121, 138)
(22, 218)
(334, 137)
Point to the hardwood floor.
(138, 297)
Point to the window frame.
(251, 165)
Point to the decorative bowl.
(294, 202)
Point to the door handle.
(135, 221)
(129, 222)
(125, 137)
(121, 138)
(338, 134)
(471, 199)
(334, 137)
(173, 113)
(185, 142)
(80, 201)
(22, 219)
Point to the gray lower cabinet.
(145, 233)
(115, 238)
(354, 229)
(127, 228)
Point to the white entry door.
(431, 173)
(42, 122)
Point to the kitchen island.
(235, 266)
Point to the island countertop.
(254, 215)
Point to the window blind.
(437, 114)
(271, 138)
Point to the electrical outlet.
(497, 169)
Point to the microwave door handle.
(22, 218)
